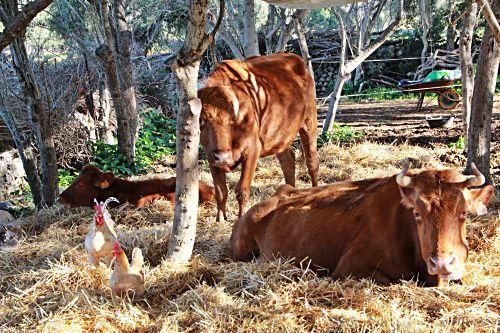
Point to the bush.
(156, 138)
(66, 177)
(339, 134)
(458, 145)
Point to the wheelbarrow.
(448, 97)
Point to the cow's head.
(221, 125)
(441, 201)
(86, 187)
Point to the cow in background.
(408, 226)
(255, 108)
(94, 183)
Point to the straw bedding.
(47, 286)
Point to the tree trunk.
(424, 24)
(304, 49)
(479, 141)
(126, 80)
(340, 80)
(452, 31)
(118, 70)
(251, 47)
(105, 134)
(466, 66)
(185, 68)
(362, 37)
(41, 122)
(28, 158)
(181, 244)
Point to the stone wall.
(12, 177)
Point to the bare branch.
(490, 18)
(16, 26)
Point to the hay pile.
(47, 286)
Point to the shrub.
(458, 145)
(156, 138)
(66, 177)
(339, 134)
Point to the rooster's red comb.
(116, 247)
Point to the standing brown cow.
(256, 108)
(411, 225)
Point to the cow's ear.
(408, 197)
(478, 199)
(105, 180)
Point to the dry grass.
(46, 285)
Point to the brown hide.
(93, 183)
(256, 108)
(366, 229)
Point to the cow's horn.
(234, 102)
(402, 179)
(108, 200)
(476, 180)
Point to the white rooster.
(102, 236)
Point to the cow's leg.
(287, 162)
(219, 177)
(308, 139)
(248, 167)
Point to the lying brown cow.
(94, 183)
(402, 227)
(256, 108)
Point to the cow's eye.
(463, 215)
(202, 122)
(417, 216)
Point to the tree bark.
(15, 26)
(479, 138)
(128, 127)
(105, 133)
(304, 49)
(185, 68)
(466, 66)
(251, 46)
(40, 119)
(424, 24)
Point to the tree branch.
(211, 35)
(16, 26)
(490, 18)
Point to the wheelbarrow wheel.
(448, 99)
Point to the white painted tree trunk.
(185, 68)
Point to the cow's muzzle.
(223, 157)
(447, 267)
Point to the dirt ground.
(398, 121)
